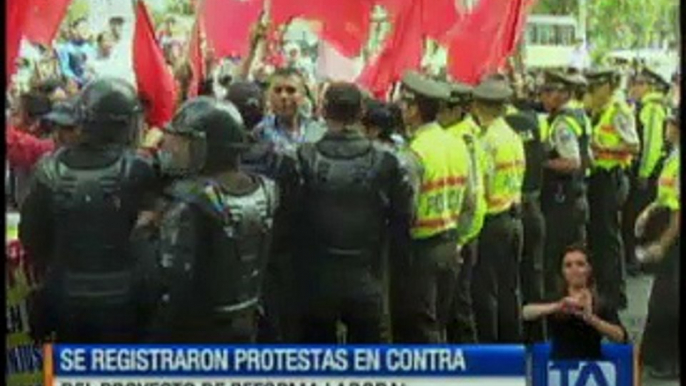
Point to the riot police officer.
(78, 218)
(563, 196)
(525, 124)
(422, 303)
(278, 321)
(649, 88)
(356, 197)
(454, 117)
(495, 284)
(614, 143)
(216, 232)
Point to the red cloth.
(155, 80)
(24, 150)
(196, 59)
(227, 25)
(345, 23)
(490, 34)
(16, 18)
(402, 51)
(45, 19)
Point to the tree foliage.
(622, 24)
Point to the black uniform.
(215, 234)
(279, 315)
(353, 193)
(77, 221)
(531, 266)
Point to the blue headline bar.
(288, 360)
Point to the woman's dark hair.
(590, 284)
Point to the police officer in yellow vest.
(614, 143)
(421, 312)
(454, 117)
(649, 89)
(563, 196)
(495, 284)
(525, 124)
(660, 345)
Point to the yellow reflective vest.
(668, 185)
(608, 145)
(651, 123)
(445, 165)
(504, 174)
(467, 131)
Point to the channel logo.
(562, 373)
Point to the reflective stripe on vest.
(508, 164)
(668, 194)
(606, 136)
(445, 162)
(543, 126)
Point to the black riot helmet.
(216, 133)
(109, 112)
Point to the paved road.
(634, 318)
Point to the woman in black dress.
(579, 319)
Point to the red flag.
(402, 51)
(345, 24)
(487, 38)
(196, 59)
(44, 22)
(155, 81)
(227, 25)
(16, 18)
(438, 17)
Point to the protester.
(286, 126)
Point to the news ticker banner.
(214, 365)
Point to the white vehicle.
(550, 41)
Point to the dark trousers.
(97, 325)
(565, 219)
(232, 328)
(495, 284)
(660, 344)
(461, 327)
(607, 192)
(278, 318)
(334, 292)
(637, 201)
(531, 266)
(422, 302)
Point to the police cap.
(654, 77)
(424, 86)
(457, 92)
(492, 90)
(554, 80)
(601, 76)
